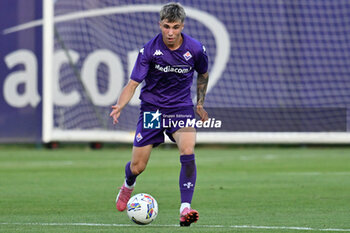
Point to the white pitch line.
(201, 226)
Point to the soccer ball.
(142, 208)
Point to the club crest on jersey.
(187, 55)
(139, 137)
(158, 53)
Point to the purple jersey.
(168, 74)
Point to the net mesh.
(290, 55)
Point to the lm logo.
(151, 120)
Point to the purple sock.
(188, 176)
(129, 177)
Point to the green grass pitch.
(239, 189)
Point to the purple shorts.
(154, 120)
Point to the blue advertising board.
(20, 72)
(275, 66)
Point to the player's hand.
(202, 113)
(115, 113)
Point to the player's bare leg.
(138, 163)
(186, 139)
(140, 157)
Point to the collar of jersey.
(178, 49)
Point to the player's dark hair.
(172, 12)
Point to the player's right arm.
(138, 74)
(124, 98)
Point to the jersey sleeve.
(201, 64)
(141, 66)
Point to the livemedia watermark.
(157, 120)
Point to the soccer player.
(166, 65)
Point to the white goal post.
(69, 55)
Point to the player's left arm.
(202, 84)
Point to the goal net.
(279, 70)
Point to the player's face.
(171, 33)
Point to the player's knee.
(137, 169)
(187, 150)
